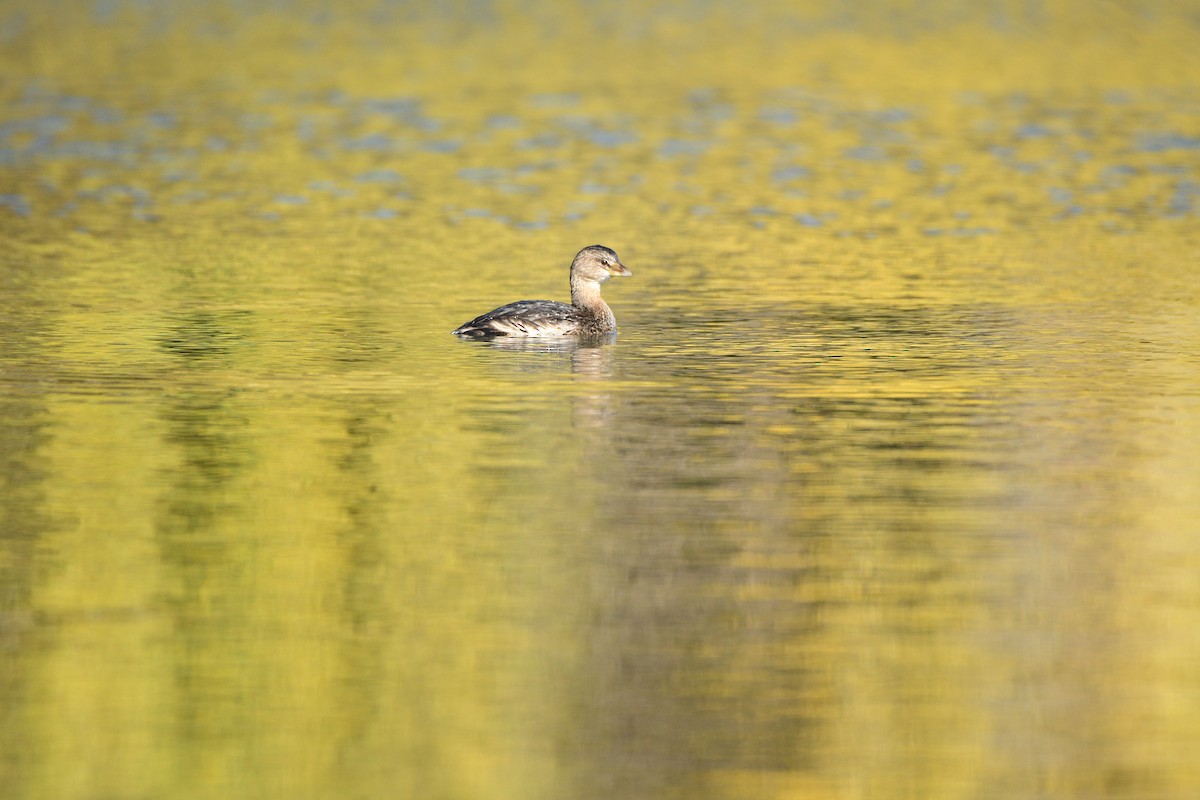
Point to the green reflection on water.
(886, 490)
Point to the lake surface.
(887, 489)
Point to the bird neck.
(586, 294)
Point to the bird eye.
(604, 261)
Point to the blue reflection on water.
(683, 147)
(378, 176)
(790, 173)
(17, 204)
(377, 142)
(43, 125)
(1165, 142)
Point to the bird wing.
(524, 318)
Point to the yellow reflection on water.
(886, 490)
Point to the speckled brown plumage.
(586, 315)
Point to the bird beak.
(619, 270)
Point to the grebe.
(587, 315)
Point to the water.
(887, 488)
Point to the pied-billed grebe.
(587, 314)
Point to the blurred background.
(888, 488)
